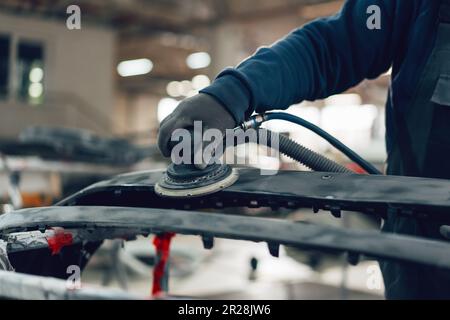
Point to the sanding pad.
(181, 181)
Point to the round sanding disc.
(214, 180)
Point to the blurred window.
(30, 71)
(5, 42)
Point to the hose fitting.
(253, 122)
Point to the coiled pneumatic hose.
(299, 153)
(302, 154)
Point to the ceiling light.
(35, 90)
(198, 60)
(200, 81)
(186, 87)
(36, 75)
(174, 89)
(134, 67)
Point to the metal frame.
(127, 206)
(112, 222)
(421, 198)
(28, 287)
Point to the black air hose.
(257, 120)
(297, 152)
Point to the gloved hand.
(200, 107)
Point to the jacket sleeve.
(325, 57)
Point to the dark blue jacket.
(330, 55)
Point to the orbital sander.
(186, 180)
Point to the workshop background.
(65, 90)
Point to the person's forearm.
(325, 57)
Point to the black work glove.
(200, 107)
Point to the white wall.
(79, 67)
